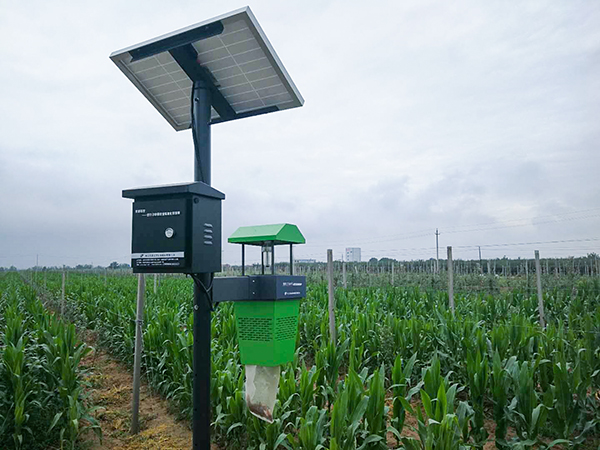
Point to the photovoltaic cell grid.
(246, 69)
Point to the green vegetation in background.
(41, 388)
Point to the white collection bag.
(262, 385)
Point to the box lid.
(196, 188)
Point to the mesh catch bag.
(262, 384)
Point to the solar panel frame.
(250, 86)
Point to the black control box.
(176, 229)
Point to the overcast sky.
(480, 118)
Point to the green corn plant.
(499, 385)
(525, 403)
(345, 422)
(79, 420)
(566, 409)
(236, 410)
(15, 325)
(500, 340)
(311, 430)
(477, 372)
(376, 414)
(14, 362)
(432, 378)
(569, 392)
(3, 423)
(228, 380)
(334, 355)
(321, 371)
(356, 355)
(231, 415)
(400, 382)
(287, 385)
(269, 436)
(441, 428)
(354, 386)
(591, 343)
(527, 413)
(308, 388)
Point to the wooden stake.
(332, 332)
(450, 280)
(62, 303)
(392, 273)
(437, 252)
(137, 359)
(538, 270)
(344, 274)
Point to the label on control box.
(158, 259)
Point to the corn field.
(41, 389)
(404, 371)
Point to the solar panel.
(231, 50)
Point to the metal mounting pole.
(273, 259)
(202, 317)
(243, 259)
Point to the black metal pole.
(201, 104)
(201, 131)
(243, 259)
(273, 259)
(291, 259)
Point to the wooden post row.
(332, 332)
(450, 280)
(538, 276)
(62, 303)
(137, 359)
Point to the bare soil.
(111, 390)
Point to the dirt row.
(111, 390)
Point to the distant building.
(353, 254)
(305, 261)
